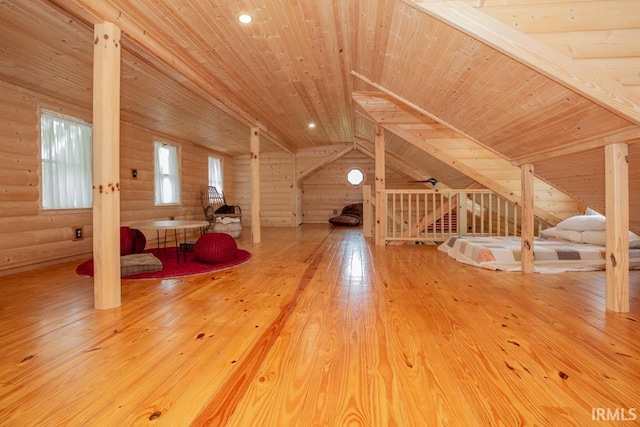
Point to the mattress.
(550, 255)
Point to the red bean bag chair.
(215, 248)
(132, 241)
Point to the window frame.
(212, 182)
(355, 168)
(177, 186)
(86, 176)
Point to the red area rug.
(171, 267)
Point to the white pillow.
(570, 235)
(583, 223)
(549, 232)
(594, 237)
(600, 238)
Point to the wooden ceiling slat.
(568, 16)
(594, 44)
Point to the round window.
(355, 176)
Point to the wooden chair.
(216, 208)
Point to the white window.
(355, 176)
(66, 162)
(215, 173)
(167, 177)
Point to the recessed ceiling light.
(245, 18)
(312, 125)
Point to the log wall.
(32, 237)
(327, 191)
(276, 194)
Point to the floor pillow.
(139, 263)
(346, 220)
(351, 215)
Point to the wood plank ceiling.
(192, 71)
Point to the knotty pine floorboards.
(319, 328)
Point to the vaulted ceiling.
(540, 81)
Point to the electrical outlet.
(78, 233)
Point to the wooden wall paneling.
(276, 172)
(276, 176)
(242, 186)
(30, 236)
(33, 237)
(137, 195)
(25, 257)
(327, 191)
(581, 175)
(308, 159)
(335, 154)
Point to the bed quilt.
(550, 256)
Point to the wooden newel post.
(106, 165)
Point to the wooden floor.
(320, 328)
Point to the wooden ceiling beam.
(419, 109)
(531, 53)
(467, 170)
(393, 161)
(628, 135)
(346, 149)
(383, 110)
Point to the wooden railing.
(435, 215)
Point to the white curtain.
(215, 173)
(66, 162)
(167, 182)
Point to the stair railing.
(435, 215)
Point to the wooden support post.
(528, 221)
(367, 220)
(254, 147)
(296, 195)
(381, 198)
(106, 166)
(617, 212)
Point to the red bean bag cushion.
(139, 241)
(126, 241)
(215, 248)
(132, 241)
